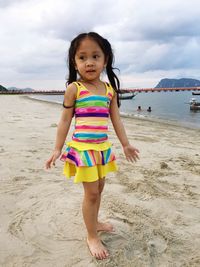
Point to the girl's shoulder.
(110, 90)
(72, 88)
(71, 91)
(79, 87)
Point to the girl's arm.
(130, 151)
(64, 124)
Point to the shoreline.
(153, 203)
(136, 117)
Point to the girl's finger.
(47, 165)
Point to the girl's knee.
(92, 196)
(93, 190)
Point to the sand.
(154, 204)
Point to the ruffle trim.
(87, 158)
(88, 174)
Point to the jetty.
(35, 92)
(124, 90)
(153, 90)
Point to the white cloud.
(151, 39)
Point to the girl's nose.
(89, 63)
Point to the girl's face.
(89, 60)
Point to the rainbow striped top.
(91, 115)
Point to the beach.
(154, 204)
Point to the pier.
(35, 92)
(125, 90)
(153, 90)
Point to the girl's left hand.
(131, 153)
(51, 161)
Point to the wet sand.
(154, 204)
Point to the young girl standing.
(88, 156)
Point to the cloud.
(160, 38)
(5, 3)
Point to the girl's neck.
(96, 83)
(95, 87)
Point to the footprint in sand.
(164, 165)
(156, 245)
(15, 227)
(19, 178)
(2, 150)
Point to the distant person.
(139, 108)
(149, 109)
(89, 155)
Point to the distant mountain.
(2, 88)
(21, 89)
(171, 83)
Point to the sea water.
(166, 106)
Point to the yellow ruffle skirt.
(88, 162)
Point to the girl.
(88, 156)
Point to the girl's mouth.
(90, 71)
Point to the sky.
(151, 39)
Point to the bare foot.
(106, 227)
(97, 249)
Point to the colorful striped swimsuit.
(89, 156)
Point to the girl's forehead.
(88, 44)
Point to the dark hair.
(108, 53)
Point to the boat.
(124, 96)
(196, 93)
(194, 104)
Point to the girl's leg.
(90, 212)
(101, 187)
(107, 227)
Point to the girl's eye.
(96, 56)
(81, 57)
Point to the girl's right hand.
(131, 153)
(51, 161)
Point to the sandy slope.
(154, 204)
